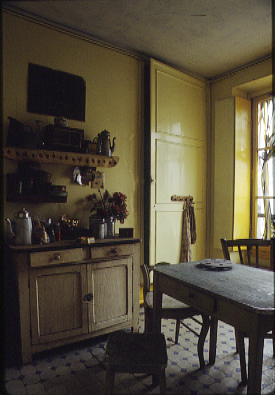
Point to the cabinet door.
(110, 283)
(56, 300)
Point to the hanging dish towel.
(192, 224)
(186, 253)
(189, 234)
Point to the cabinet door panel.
(110, 283)
(57, 308)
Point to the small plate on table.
(215, 264)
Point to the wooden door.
(56, 300)
(110, 283)
(177, 160)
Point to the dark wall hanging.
(53, 92)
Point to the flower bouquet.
(109, 206)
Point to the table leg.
(241, 350)
(203, 334)
(157, 306)
(213, 340)
(255, 362)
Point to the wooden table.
(242, 297)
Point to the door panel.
(173, 176)
(242, 168)
(110, 283)
(180, 105)
(177, 160)
(233, 158)
(56, 299)
(168, 234)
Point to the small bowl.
(61, 122)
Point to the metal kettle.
(106, 148)
(22, 232)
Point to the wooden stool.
(135, 353)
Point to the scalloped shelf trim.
(58, 157)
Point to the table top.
(251, 287)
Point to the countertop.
(67, 244)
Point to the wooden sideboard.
(67, 291)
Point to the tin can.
(100, 229)
(96, 226)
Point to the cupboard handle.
(88, 298)
(57, 257)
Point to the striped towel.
(189, 235)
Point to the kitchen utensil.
(22, 232)
(106, 147)
(20, 135)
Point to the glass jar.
(110, 227)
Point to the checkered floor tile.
(81, 370)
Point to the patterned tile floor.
(80, 370)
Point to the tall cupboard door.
(177, 160)
(56, 301)
(111, 293)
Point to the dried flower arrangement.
(109, 206)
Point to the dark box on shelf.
(126, 232)
(63, 138)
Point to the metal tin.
(100, 229)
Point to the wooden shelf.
(59, 158)
(32, 199)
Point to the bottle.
(39, 137)
(57, 233)
(50, 231)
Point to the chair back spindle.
(248, 246)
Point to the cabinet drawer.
(200, 301)
(58, 257)
(112, 251)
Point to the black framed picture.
(57, 93)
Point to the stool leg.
(177, 331)
(162, 381)
(109, 381)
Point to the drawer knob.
(88, 298)
(113, 251)
(57, 257)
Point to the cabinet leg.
(109, 381)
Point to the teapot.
(22, 234)
(97, 140)
(106, 147)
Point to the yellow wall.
(113, 97)
(113, 102)
(245, 83)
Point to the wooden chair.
(136, 353)
(245, 250)
(245, 247)
(172, 309)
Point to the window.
(264, 167)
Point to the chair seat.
(167, 302)
(136, 352)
